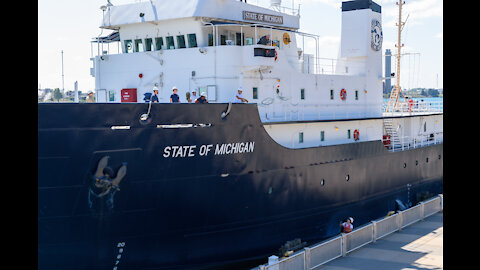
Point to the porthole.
(404, 165)
(426, 160)
(322, 183)
(416, 162)
(439, 156)
(347, 177)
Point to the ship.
(128, 183)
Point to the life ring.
(275, 55)
(356, 135)
(343, 94)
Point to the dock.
(419, 246)
(409, 239)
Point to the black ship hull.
(201, 190)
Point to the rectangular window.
(331, 94)
(322, 136)
(181, 41)
(238, 38)
(192, 40)
(111, 95)
(348, 134)
(159, 43)
(170, 43)
(210, 39)
(356, 94)
(128, 46)
(249, 41)
(255, 93)
(138, 45)
(148, 44)
(302, 93)
(300, 137)
(223, 40)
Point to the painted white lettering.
(191, 150)
(220, 150)
(252, 145)
(166, 151)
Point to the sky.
(71, 25)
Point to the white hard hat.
(174, 88)
(155, 88)
(194, 90)
(203, 94)
(240, 88)
(351, 219)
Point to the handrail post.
(374, 231)
(307, 258)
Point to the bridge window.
(148, 44)
(158, 43)
(322, 136)
(192, 40)
(128, 46)
(170, 43)
(138, 45)
(348, 134)
(331, 94)
(356, 94)
(302, 93)
(300, 137)
(181, 41)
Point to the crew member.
(202, 98)
(347, 226)
(154, 97)
(238, 97)
(90, 97)
(193, 96)
(174, 98)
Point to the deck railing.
(339, 246)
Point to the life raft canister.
(356, 135)
(343, 94)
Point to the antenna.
(394, 95)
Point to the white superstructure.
(211, 45)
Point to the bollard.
(400, 220)
(273, 262)
(441, 201)
(344, 245)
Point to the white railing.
(406, 142)
(339, 246)
(416, 107)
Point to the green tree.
(57, 94)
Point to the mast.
(394, 94)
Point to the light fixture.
(336, 128)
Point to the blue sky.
(70, 26)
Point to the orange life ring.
(343, 94)
(356, 135)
